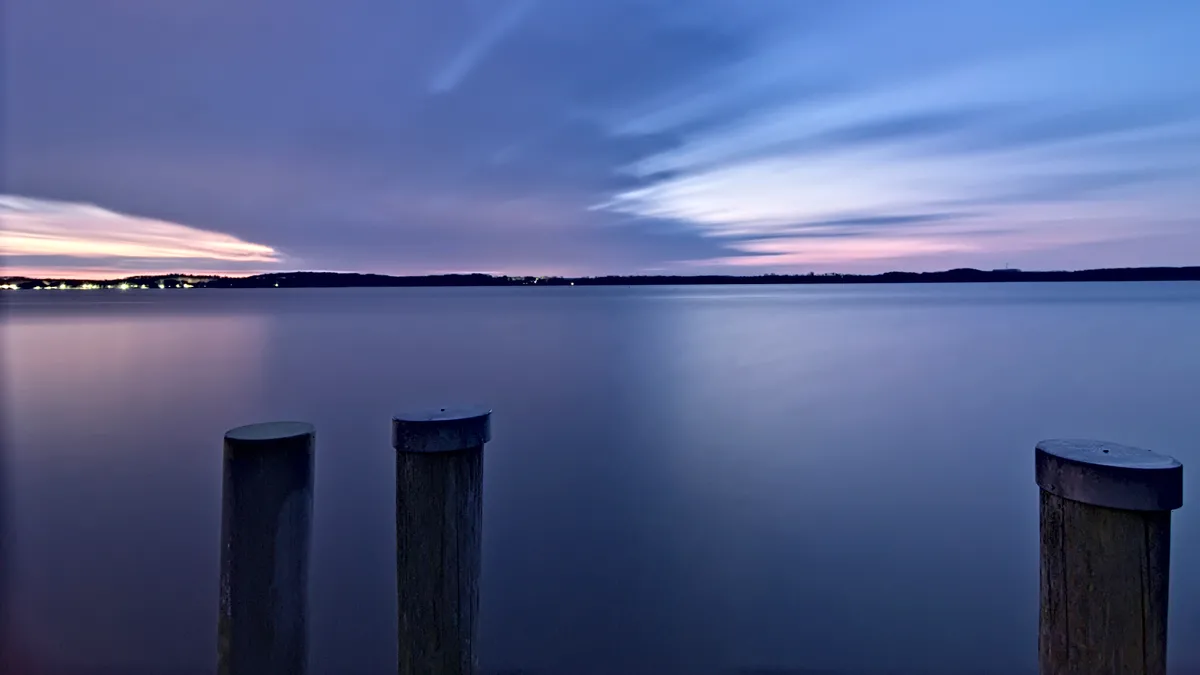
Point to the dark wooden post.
(439, 513)
(1105, 557)
(265, 539)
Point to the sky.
(583, 137)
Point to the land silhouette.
(358, 280)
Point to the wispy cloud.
(44, 234)
(806, 252)
(477, 48)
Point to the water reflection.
(116, 432)
(786, 435)
(681, 480)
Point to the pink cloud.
(790, 252)
(66, 239)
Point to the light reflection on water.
(681, 479)
(113, 420)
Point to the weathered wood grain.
(265, 541)
(1104, 570)
(439, 517)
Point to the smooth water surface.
(684, 479)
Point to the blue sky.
(590, 137)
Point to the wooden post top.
(1110, 475)
(269, 431)
(442, 429)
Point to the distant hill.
(353, 280)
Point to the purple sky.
(599, 136)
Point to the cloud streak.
(478, 47)
(36, 232)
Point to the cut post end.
(270, 431)
(1107, 454)
(441, 429)
(451, 414)
(1109, 474)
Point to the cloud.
(759, 178)
(478, 47)
(356, 168)
(861, 226)
(50, 234)
(805, 252)
(472, 135)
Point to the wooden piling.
(439, 513)
(266, 530)
(1105, 557)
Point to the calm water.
(681, 479)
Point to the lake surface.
(685, 479)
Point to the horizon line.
(206, 277)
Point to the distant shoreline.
(354, 280)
